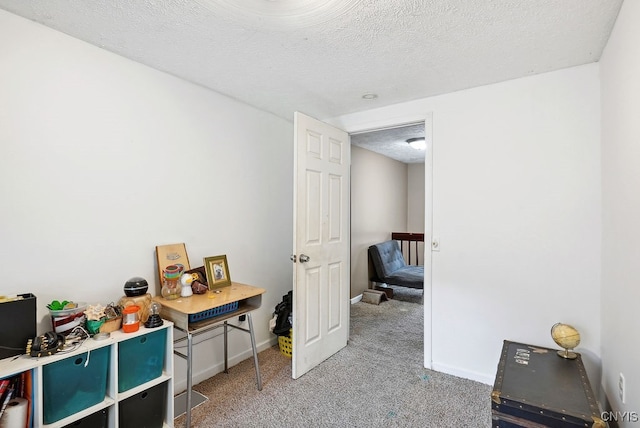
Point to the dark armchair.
(389, 266)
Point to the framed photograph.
(217, 272)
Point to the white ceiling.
(392, 142)
(320, 56)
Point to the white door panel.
(321, 232)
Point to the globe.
(566, 337)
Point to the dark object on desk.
(389, 266)
(136, 286)
(535, 388)
(18, 321)
(199, 285)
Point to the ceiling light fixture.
(417, 143)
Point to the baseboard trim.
(444, 368)
(465, 374)
(605, 406)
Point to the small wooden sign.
(172, 254)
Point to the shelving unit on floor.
(102, 383)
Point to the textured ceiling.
(392, 142)
(320, 56)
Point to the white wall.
(416, 206)
(378, 207)
(415, 201)
(620, 68)
(516, 206)
(103, 159)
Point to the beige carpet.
(376, 381)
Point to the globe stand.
(566, 337)
(567, 354)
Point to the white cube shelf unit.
(52, 379)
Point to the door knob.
(304, 258)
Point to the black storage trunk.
(17, 324)
(536, 388)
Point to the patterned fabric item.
(199, 286)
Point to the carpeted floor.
(378, 380)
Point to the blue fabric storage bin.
(69, 387)
(141, 359)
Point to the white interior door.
(321, 243)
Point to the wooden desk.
(178, 310)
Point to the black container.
(99, 419)
(536, 387)
(17, 324)
(145, 409)
(136, 286)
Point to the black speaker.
(17, 324)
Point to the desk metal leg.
(189, 380)
(226, 354)
(189, 358)
(255, 352)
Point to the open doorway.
(387, 192)
(390, 192)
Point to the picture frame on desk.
(172, 254)
(217, 271)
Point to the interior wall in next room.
(378, 207)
